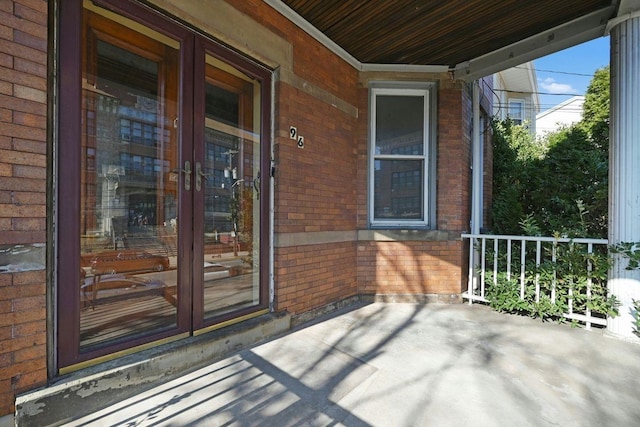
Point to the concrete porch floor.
(404, 365)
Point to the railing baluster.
(482, 264)
(554, 256)
(523, 243)
(589, 270)
(478, 259)
(537, 281)
(495, 261)
(470, 279)
(571, 298)
(508, 259)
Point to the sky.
(569, 72)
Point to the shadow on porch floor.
(404, 364)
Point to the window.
(402, 141)
(516, 111)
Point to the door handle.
(199, 176)
(187, 174)
(256, 185)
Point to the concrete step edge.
(91, 389)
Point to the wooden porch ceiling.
(436, 32)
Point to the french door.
(162, 208)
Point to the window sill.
(403, 235)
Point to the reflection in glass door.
(162, 206)
(229, 176)
(129, 183)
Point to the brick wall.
(23, 85)
(430, 264)
(312, 276)
(454, 159)
(315, 186)
(311, 60)
(22, 335)
(314, 193)
(410, 268)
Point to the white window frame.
(521, 103)
(428, 91)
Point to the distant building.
(563, 114)
(517, 92)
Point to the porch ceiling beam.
(628, 6)
(577, 31)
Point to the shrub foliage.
(561, 180)
(555, 186)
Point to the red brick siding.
(424, 267)
(412, 267)
(314, 275)
(315, 186)
(312, 61)
(23, 85)
(22, 335)
(363, 159)
(454, 160)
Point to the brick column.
(23, 121)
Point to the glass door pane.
(231, 214)
(129, 183)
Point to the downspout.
(476, 185)
(477, 164)
(272, 179)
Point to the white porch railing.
(517, 261)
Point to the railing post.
(471, 277)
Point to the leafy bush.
(562, 282)
(567, 276)
(560, 181)
(636, 307)
(556, 186)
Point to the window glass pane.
(399, 127)
(232, 111)
(516, 111)
(128, 204)
(222, 105)
(398, 190)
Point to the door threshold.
(96, 387)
